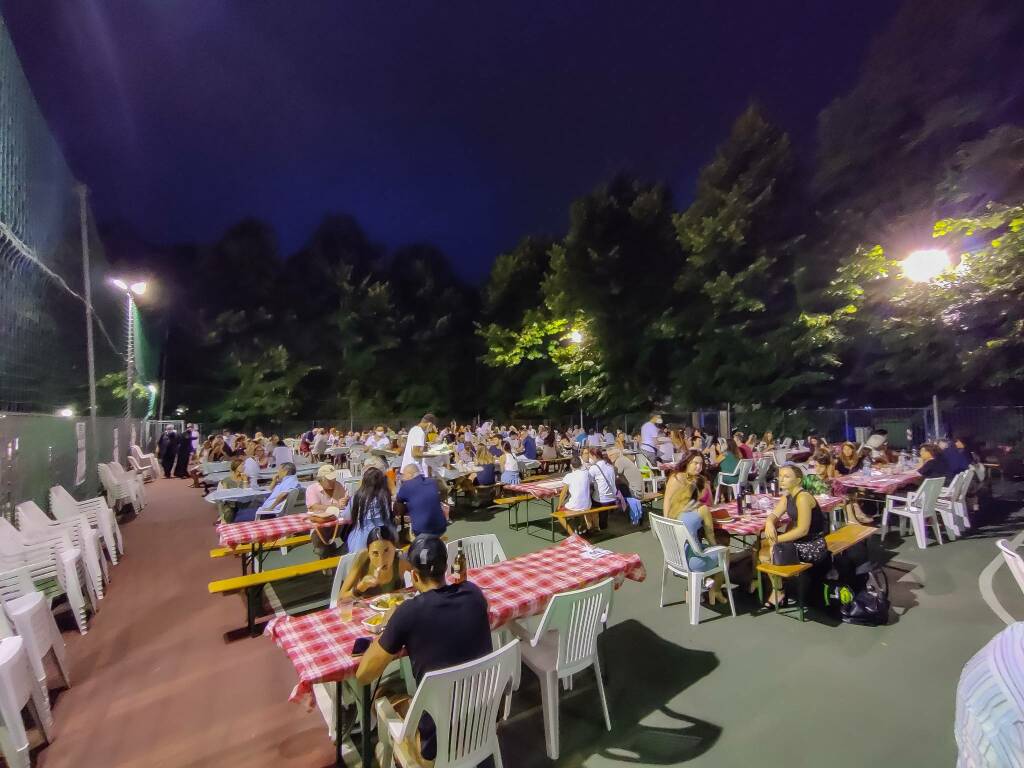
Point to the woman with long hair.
(368, 508)
(377, 569)
(687, 499)
(549, 448)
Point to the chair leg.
(600, 691)
(883, 527)
(935, 527)
(728, 591)
(549, 703)
(664, 575)
(919, 532)
(695, 590)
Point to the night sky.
(463, 124)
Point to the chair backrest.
(106, 478)
(787, 443)
(743, 467)
(29, 516)
(483, 549)
(780, 456)
(135, 452)
(15, 583)
(673, 537)
(340, 573)
(965, 483)
(1013, 561)
(980, 470)
(723, 443)
(463, 701)
(117, 470)
(928, 493)
(295, 502)
(763, 465)
(576, 616)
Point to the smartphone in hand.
(360, 645)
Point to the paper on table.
(594, 553)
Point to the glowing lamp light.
(66, 413)
(576, 337)
(138, 288)
(120, 283)
(923, 266)
(152, 388)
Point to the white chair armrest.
(715, 551)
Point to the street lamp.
(577, 338)
(924, 266)
(131, 290)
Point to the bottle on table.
(459, 566)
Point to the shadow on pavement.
(645, 672)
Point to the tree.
(740, 336)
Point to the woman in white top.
(603, 477)
(282, 454)
(509, 465)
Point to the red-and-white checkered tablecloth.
(881, 483)
(542, 489)
(319, 644)
(262, 531)
(753, 523)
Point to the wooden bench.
(252, 584)
(247, 549)
(512, 503)
(837, 542)
(568, 514)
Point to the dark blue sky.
(464, 124)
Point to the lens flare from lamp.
(119, 283)
(66, 413)
(576, 337)
(152, 388)
(138, 288)
(923, 266)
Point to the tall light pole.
(130, 290)
(577, 338)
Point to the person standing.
(649, 438)
(184, 451)
(416, 441)
(168, 448)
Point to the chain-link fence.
(48, 242)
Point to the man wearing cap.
(649, 438)
(416, 442)
(326, 492)
(446, 625)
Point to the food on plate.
(387, 602)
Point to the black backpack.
(870, 606)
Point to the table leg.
(339, 725)
(800, 594)
(251, 599)
(366, 748)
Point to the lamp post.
(130, 290)
(577, 338)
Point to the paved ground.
(160, 682)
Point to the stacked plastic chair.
(64, 506)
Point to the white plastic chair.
(143, 470)
(483, 549)
(19, 689)
(463, 702)
(84, 538)
(52, 564)
(131, 480)
(653, 476)
(566, 643)
(779, 454)
(918, 508)
(740, 478)
(952, 503)
(1013, 561)
(117, 493)
(760, 482)
(674, 537)
(146, 460)
(64, 506)
(34, 624)
(787, 443)
(344, 566)
(290, 505)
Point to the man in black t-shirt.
(446, 625)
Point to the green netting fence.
(46, 230)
